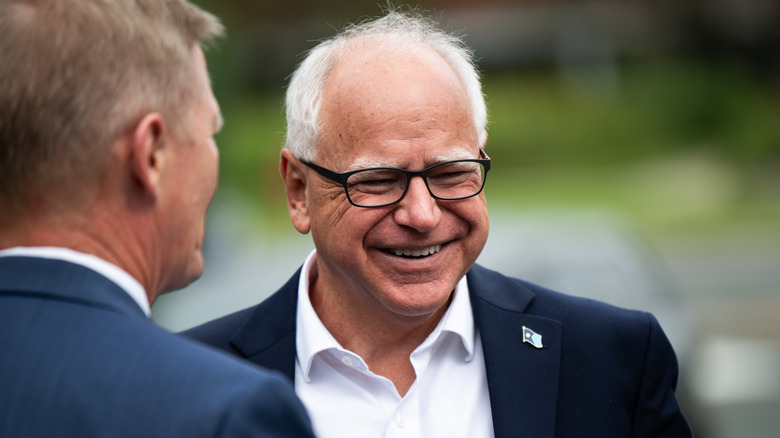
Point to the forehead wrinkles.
(366, 162)
(369, 100)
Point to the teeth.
(416, 252)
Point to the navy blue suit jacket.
(79, 358)
(602, 372)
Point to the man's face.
(192, 183)
(398, 110)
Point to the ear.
(147, 153)
(295, 186)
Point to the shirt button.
(400, 420)
(347, 360)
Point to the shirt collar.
(313, 338)
(459, 319)
(102, 267)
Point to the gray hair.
(75, 74)
(397, 30)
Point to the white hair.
(396, 30)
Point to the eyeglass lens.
(452, 180)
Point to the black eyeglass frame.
(342, 177)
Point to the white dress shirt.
(449, 398)
(102, 267)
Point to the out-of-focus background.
(636, 159)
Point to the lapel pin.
(532, 337)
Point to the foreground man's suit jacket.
(79, 358)
(602, 372)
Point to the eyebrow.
(363, 163)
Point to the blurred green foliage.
(655, 109)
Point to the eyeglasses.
(382, 186)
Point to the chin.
(428, 302)
(186, 274)
(195, 269)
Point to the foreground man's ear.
(147, 153)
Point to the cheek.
(475, 214)
(480, 210)
(208, 173)
(328, 208)
(343, 227)
(213, 158)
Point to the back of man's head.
(75, 75)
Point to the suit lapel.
(522, 379)
(267, 337)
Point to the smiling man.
(389, 328)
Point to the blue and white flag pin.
(532, 337)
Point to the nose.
(418, 209)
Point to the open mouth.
(416, 253)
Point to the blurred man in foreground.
(389, 327)
(107, 167)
